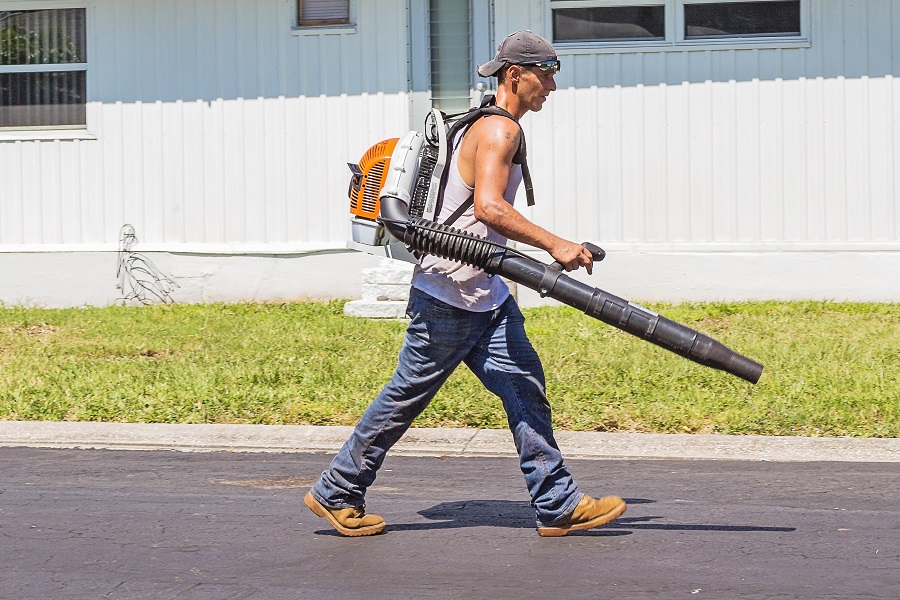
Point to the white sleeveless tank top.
(452, 282)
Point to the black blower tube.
(440, 240)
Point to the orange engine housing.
(369, 178)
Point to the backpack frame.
(417, 175)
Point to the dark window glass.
(49, 98)
(41, 96)
(609, 23)
(741, 19)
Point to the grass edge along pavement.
(831, 369)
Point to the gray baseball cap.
(519, 48)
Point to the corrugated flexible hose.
(428, 237)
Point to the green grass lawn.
(831, 369)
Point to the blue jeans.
(494, 346)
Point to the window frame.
(326, 26)
(38, 132)
(618, 45)
(675, 39)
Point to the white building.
(716, 150)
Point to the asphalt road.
(107, 524)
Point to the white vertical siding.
(215, 123)
(753, 146)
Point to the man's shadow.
(519, 515)
(483, 513)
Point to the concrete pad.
(436, 441)
(160, 436)
(492, 442)
(577, 444)
(376, 309)
(440, 441)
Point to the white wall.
(64, 279)
(210, 122)
(218, 131)
(750, 146)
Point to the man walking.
(460, 314)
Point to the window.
(741, 19)
(609, 23)
(43, 68)
(679, 22)
(312, 13)
(451, 59)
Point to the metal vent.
(368, 179)
(373, 187)
(427, 161)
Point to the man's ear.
(513, 73)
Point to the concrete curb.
(439, 442)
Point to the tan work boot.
(589, 513)
(348, 521)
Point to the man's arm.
(490, 147)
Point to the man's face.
(535, 86)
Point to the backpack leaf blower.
(393, 195)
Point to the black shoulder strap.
(470, 201)
(488, 107)
(463, 122)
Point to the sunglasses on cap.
(547, 66)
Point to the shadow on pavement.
(519, 514)
(485, 513)
(639, 523)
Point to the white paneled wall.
(211, 123)
(214, 126)
(809, 160)
(733, 146)
(214, 123)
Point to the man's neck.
(510, 102)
